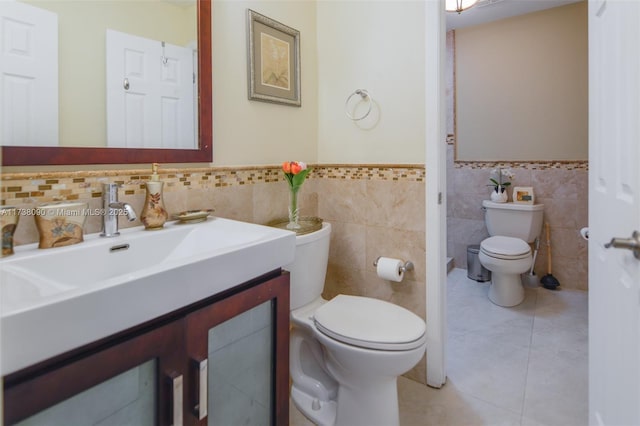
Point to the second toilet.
(506, 253)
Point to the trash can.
(475, 270)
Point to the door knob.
(632, 243)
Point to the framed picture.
(523, 195)
(273, 60)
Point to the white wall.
(521, 87)
(345, 45)
(378, 46)
(251, 132)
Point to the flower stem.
(294, 212)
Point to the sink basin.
(54, 300)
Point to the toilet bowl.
(346, 353)
(506, 253)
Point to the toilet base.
(322, 413)
(373, 404)
(367, 406)
(506, 290)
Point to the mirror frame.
(55, 155)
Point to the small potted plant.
(500, 180)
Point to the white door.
(176, 90)
(129, 84)
(614, 211)
(28, 75)
(149, 93)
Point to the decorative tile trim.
(390, 172)
(40, 187)
(530, 165)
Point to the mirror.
(71, 155)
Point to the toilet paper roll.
(390, 269)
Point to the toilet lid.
(370, 323)
(505, 247)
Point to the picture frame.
(523, 195)
(273, 61)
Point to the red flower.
(295, 172)
(295, 168)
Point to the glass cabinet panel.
(126, 399)
(240, 369)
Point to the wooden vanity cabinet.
(29, 394)
(161, 372)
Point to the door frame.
(435, 199)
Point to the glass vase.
(294, 211)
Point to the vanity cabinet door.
(238, 352)
(134, 382)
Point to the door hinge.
(439, 197)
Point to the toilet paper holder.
(408, 265)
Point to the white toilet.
(506, 253)
(346, 353)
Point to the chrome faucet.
(111, 208)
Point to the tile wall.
(561, 186)
(376, 210)
(229, 191)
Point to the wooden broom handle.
(546, 225)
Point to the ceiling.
(493, 10)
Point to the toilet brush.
(549, 281)
(530, 279)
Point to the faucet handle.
(109, 193)
(110, 186)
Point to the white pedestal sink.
(58, 299)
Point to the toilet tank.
(309, 267)
(516, 220)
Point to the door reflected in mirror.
(99, 73)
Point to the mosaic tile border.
(41, 187)
(390, 172)
(530, 165)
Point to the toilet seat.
(370, 323)
(507, 248)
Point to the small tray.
(307, 224)
(193, 216)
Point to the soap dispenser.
(154, 214)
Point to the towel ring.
(365, 95)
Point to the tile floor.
(525, 365)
